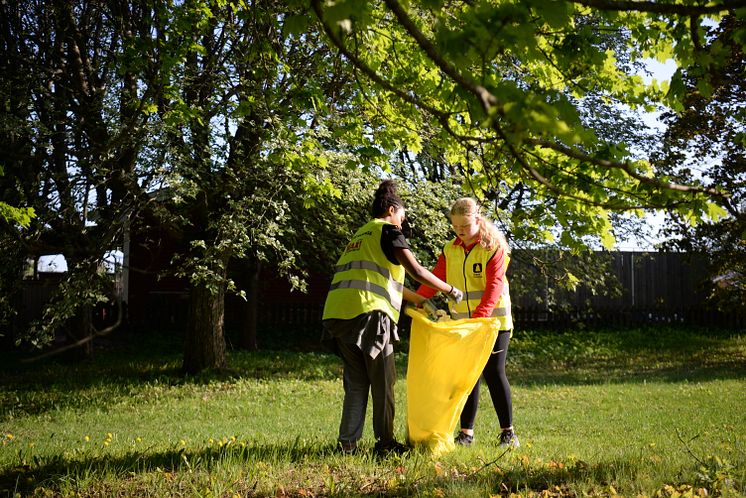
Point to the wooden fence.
(306, 318)
(619, 317)
(656, 288)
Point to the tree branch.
(441, 116)
(590, 182)
(627, 168)
(661, 8)
(487, 100)
(94, 333)
(490, 103)
(693, 24)
(316, 5)
(541, 179)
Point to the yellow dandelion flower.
(87, 438)
(9, 436)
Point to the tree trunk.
(79, 326)
(204, 346)
(80, 329)
(247, 338)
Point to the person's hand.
(430, 309)
(455, 295)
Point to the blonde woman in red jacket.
(475, 261)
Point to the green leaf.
(346, 10)
(150, 108)
(704, 87)
(555, 13)
(676, 90)
(571, 281)
(432, 4)
(295, 24)
(21, 216)
(715, 212)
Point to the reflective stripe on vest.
(363, 265)
(364, 279)
(499, 311)
(370, 287)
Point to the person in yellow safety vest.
(361, 314)
(476, 261)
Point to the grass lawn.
(643, 412)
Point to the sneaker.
(464, 439)
(384, 449)
(347, 447)
(508, 438)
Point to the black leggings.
(497, 382)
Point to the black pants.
(366, 345)
(497, 382)
(363, 374)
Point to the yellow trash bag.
(445, 360)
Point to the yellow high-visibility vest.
(364, 279)
(467, 272)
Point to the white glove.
(455, 295)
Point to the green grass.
(651, 412)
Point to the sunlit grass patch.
(640, 412)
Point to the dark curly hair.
(385, 197)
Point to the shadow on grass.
(560, 479)
(49, 472)
(667, 354)
(117, 372)
(355, 476)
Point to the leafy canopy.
(508, 90)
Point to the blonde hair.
(490, 237)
